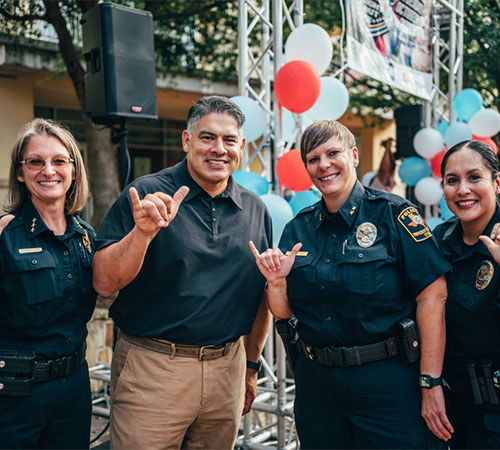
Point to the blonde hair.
(18, 194)
(319, 132)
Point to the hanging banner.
(390, 40)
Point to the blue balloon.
(251, 181)
(301, 200)
(412, 169)
(444, 210)
(281, 214)
(288, 125)
(332, 102)
(467, 103)
(433, 222)
(255, 117)
(442, 127)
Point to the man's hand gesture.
(272, 263)
(156, 210)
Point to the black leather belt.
(350, 356)
(203, 353)
(19, 371)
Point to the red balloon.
(436, 161)
(297, 86)
(488, 141)
(292, 173)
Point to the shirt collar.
(453, 245)
(182, 177)
(347, 211)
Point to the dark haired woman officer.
(471, 243)
(367, 262)
(46, 294)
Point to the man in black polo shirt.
(176, 247)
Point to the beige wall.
(16, 97)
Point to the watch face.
(425, 381)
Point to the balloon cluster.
(424, 172)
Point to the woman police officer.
(46, 294)
(365, 256)
(471, 243)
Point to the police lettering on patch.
(413, 222)
(484, 275)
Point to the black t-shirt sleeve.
(118, 222)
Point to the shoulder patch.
(413, 222)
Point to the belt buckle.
(58, 367)
(201, 352)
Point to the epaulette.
(375, 194)
(307, 209)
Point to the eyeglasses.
(36, 163)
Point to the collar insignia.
(33, 225)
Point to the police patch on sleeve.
(413, 222)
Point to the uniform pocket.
(34, 277)
(359, 268)
(302, 275)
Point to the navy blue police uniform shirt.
(472, 308)
(46, 293)
(360, 269)
(199, 284)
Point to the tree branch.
(150, 6)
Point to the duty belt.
(19, 371)
(202, 353)
(350, 356)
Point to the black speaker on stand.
(409, 119)
(120, 82)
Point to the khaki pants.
(159, 402)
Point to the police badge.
(484, 275)
(366, 234)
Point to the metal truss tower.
(447, 67)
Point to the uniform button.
(70, 339)
(327, 260)
(328, 319)
(213, 209)
(65, 253)
(34, 261)
(360, 255)
(334, 235)
(214, 219)
(70, 276)
(71, 299)
(322, 287)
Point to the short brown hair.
(18, 194)
(319, 132)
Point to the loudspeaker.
(409, 119)
(118, 46)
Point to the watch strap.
(254, 365)
(428, 382)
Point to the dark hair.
(213, 104)
(489, 157)
(319, 132)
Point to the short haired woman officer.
(471, 243)
(46, 294)
(365, 257)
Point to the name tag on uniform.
(22, 251)
(298, 254)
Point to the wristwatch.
(254, 365)
(427, 382)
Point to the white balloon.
(428, 191)
(332, 101)
(485, 123)
(457, 132)
(310, 43)
(288, 125)
(428, 142)
(255, 117)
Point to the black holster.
(406, 333)
(483, 385)
(287, 329)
